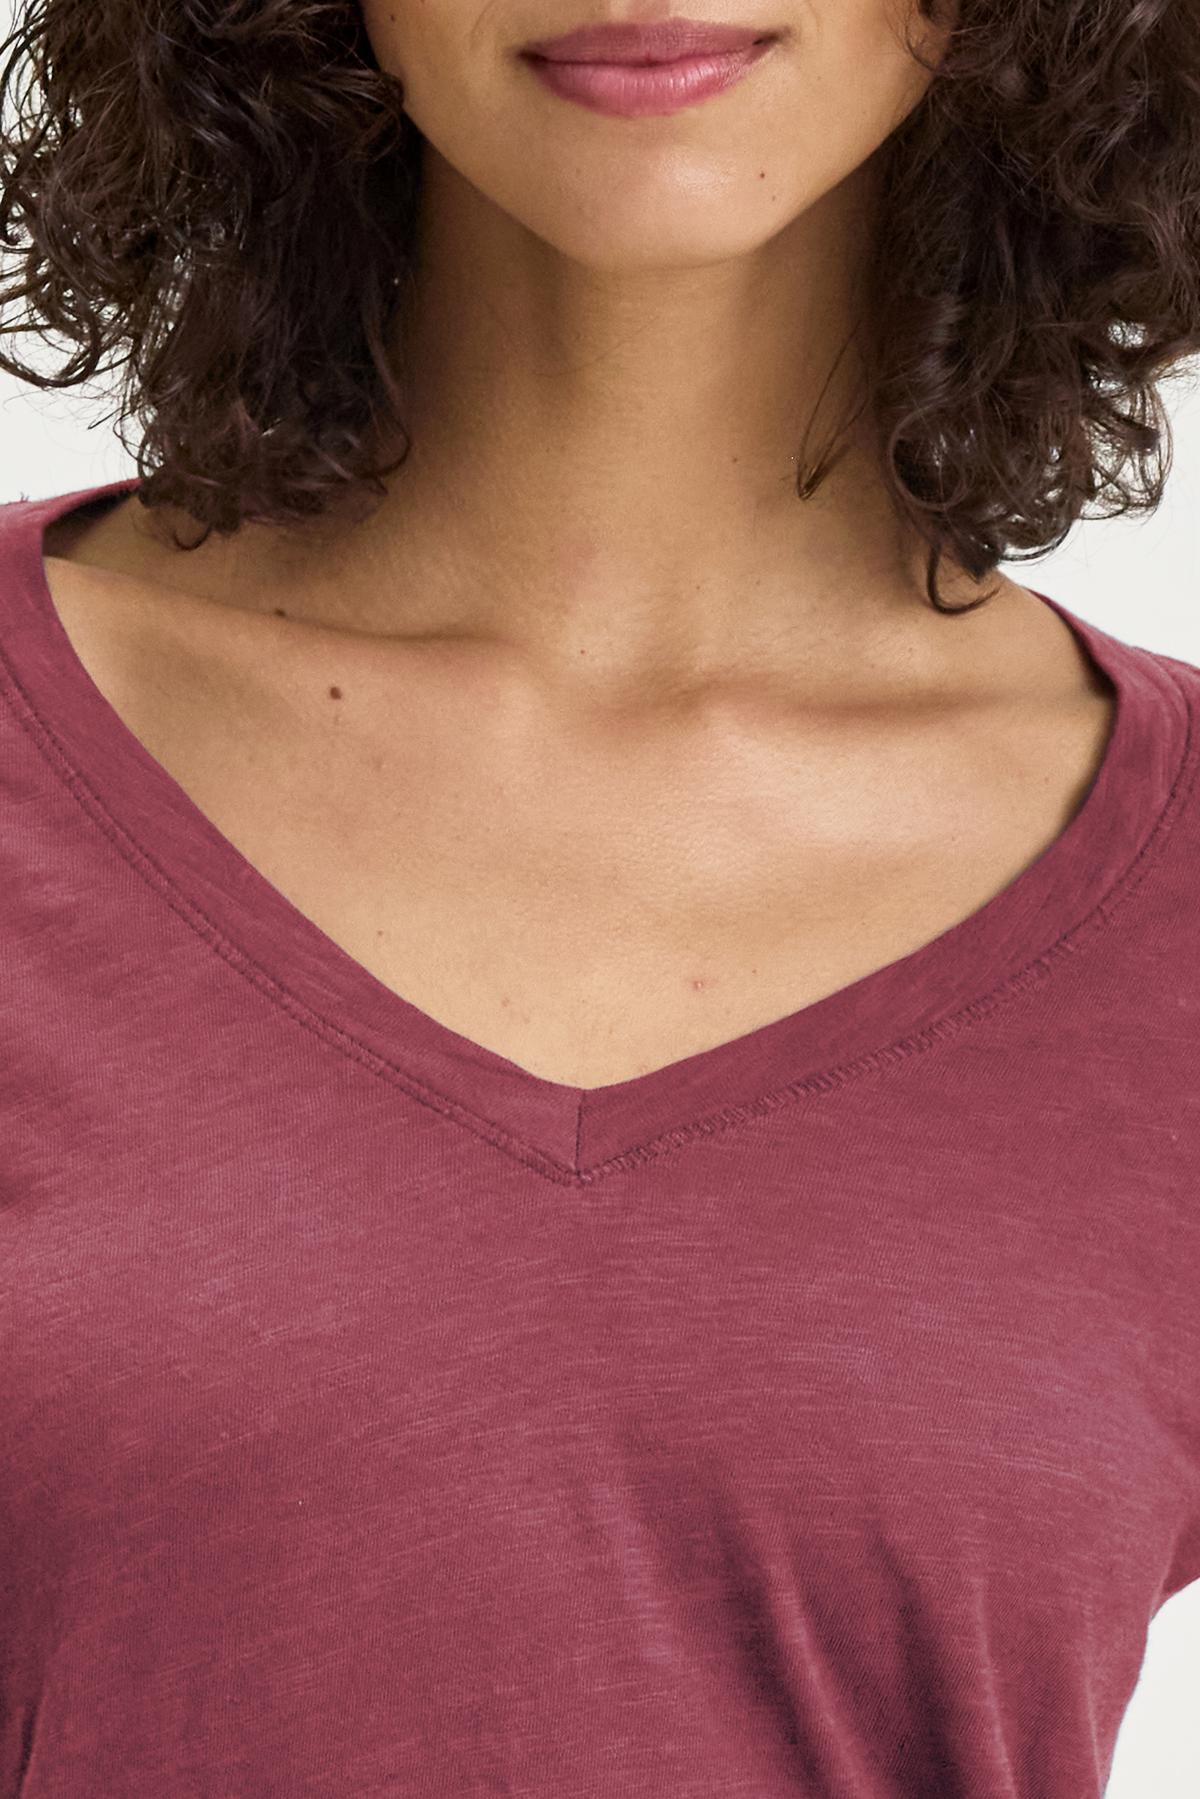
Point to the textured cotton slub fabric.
(817, 1417)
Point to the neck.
(603, 466)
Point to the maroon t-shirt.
(817, 1417)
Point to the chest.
(590, 903)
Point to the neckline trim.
(575, 1135)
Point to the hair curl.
(223, 195)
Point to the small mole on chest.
(335, 693)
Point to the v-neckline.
(568, 1133)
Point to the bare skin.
(593, 883)
(592, 740)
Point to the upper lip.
(665, 42)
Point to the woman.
(601, 1020)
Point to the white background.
(1138, 578)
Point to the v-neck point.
(573, 1134)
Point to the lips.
(670, 41)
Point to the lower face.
(620, 164)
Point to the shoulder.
(1186, 673)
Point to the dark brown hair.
(221, 195)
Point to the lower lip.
(633, 90)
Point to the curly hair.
(222, 194)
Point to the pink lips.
(632, 70)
